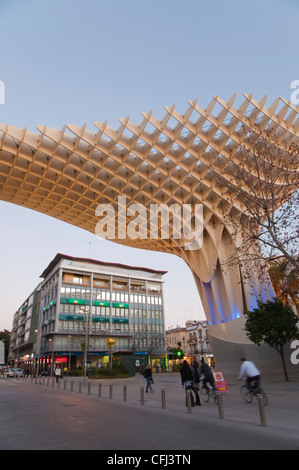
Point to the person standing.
(195, 381)
(57, 373)
(186, 378)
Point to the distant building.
(109, 299)
(193, 339)
(177, 337)
(198, 341)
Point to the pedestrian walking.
(195, 381)
(186, 378)
(149, 378)
(57, 373)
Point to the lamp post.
(70, 353)
(85, 346)
(52, 365)
(110, 343)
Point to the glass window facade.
(118, 304)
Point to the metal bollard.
(53, 382)
(100, 390)
(260, 401)
(64, 385)
(163, 398)
(142, 395)
(125, 393)
(188, 396)
(220, 405)
(110, 391)
(88, 387)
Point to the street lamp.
(85, 346)
(52, 365)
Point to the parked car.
(9, 372)
(18, 372)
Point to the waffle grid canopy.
(181, 159)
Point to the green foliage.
(177, 352)
(76, 373)
(272, 322)
(118, 371)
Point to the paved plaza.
(42, 415)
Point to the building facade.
(193, 339)
(22, 345)
(177, 337)
(83, 300)
(198, 341)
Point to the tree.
(262, 178)
(273, 323)
(285, 281)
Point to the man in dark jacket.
(206, 371)
(186, 378)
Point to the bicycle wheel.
(246, 394)
(204, 393)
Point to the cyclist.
(252, 373)
(206, 371)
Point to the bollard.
(125, 393)
(88, 387)
(100, 390)
(58, 384)
(188, 396)
(163, 398)
(110, 391)
(220, 405)
(53, 382)
(48, 380)
(72, 386)
(64, 385)
(142, 395)
(260, 401)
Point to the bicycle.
(207, 391)
(247, 393)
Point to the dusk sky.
(75, 62)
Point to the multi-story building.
(193, 339)
(87, 299)
(22, 346)
(198, 341)
(177, 338)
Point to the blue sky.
(74, 61)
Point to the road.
(39, 416)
